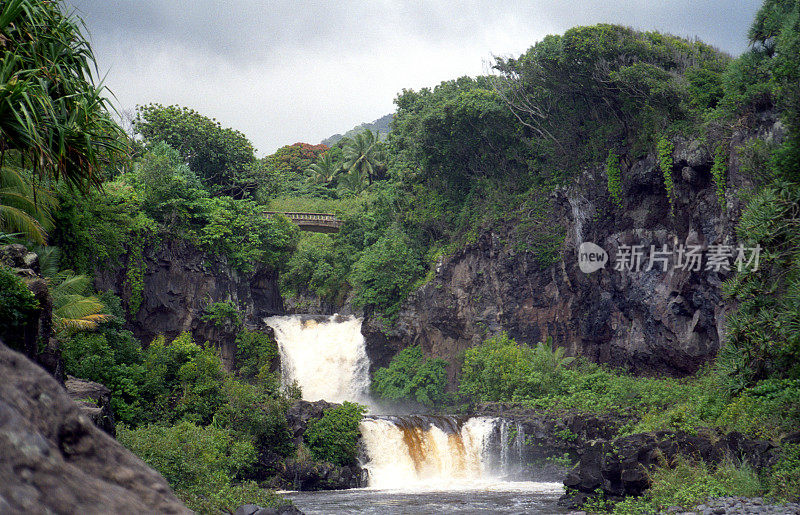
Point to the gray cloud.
(287, 71)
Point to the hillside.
(381, 125)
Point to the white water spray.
(325, 355)
(418, 451)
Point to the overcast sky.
(287, 71)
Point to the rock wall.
(54, 460)
(180, 282)
(647, 322)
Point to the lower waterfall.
(416, 450)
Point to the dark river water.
(473, 497)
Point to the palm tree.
(73, 310)
(24, 208)
(364, 155)
(353, 180)
(325, 169)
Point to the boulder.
(94, 400)
(54, 459)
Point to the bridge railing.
(327, 219)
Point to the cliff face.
(647, 321)
(180, 282)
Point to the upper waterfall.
(324, 354)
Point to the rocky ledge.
(621, 467)
(54, 459)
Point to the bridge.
(313, 222)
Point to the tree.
(457, 133)
(53, 118)
(223, 158)
(324, 169)
(364, 157)
(602, 84)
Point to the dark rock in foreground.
(54, 460)
(621, 467)
(252, 509)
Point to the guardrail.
(319, 222)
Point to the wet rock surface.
(54, 459)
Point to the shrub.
(223, 313)
(334, 437)
(255, 353)
(614, 176)
(17, 306)
(202, 464)
(784, 479)
(502, 370)
(181, 380)
(255, 414)
(688, 483)
(383, 275)
(411, 376)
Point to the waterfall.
(425, 450)
(327, 358)
(324, 354)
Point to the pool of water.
(471, 497)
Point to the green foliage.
(763, 335)
(223, 313)
(784, 478)
(223, 158)
(689, 483)
(98, 229)
(255, 353)
(288, 171)
(411, 376)
(17, 306)
(202, 464)
(363, 156)
(181, 380)
(719, 173)
(458, 132)
(384, 273)
(334, 437)
(606, 83)
(501, 369)
(54, 117)
(188, 455)
(614, 176)
(167, 188)
(664, 149)
(25, 204)
(226, 498)
(318, 265)
(240, 230)
(257, 414)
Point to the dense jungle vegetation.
(468, 155)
